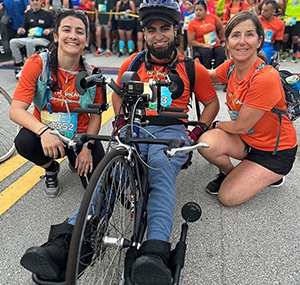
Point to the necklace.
(71, 72)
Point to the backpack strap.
(137, 62)
(45, 75)
(190, 70)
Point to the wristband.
(44, 130)
(89, 145)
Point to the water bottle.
(294, 82)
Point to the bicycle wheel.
(104, 223)
(8, 129)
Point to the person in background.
(14, 9)
(265, 146)
(292, 27)
(55, 5)
(203, 35)
(274, 30)
(233, 7)
(188, 15)
(139, 29)
(103, 22)
(37, 26)
(34, 141)
(125, 25)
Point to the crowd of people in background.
(115, 29)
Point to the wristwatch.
(89, 145)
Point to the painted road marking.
(10, 195)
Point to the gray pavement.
(256, 243)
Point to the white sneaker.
(278, 183)
(19, 74)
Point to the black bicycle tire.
(78, 231)
(12, 148)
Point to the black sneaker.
(151, 267)
(49, 261)
(52, 187)
(278, 183)
(214, 186)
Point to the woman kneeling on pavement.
(266, 147)
(53, 109)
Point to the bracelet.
(222, 41)
(44, 130)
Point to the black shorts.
(292, 30)
(125, 25)
(280, 163)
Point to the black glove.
(197, 131)
(121, 122)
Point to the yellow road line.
(11, 166)
(15, 191)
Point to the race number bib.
(102, 8)
(63, 122)
(291, 21)
(35, 32)
(234, 115)
(268, 36)
(210, 38)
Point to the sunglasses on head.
(76, 11)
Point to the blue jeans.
(161, 202)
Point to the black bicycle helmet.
(167, 10)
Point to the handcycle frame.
(134, 105)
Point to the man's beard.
(161, 53)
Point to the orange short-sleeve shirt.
(260, 90)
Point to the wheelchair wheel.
(104, 225)
(8, 129)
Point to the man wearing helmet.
(159, 19)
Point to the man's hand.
(197, 132)
(21, 31)
(121, 122)
(46, 32)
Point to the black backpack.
(291, 96)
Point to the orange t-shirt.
(233, 8)
(276, 26)
(204, 27)
(26, 87)
(203, 88)
(261, 90)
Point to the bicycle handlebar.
(175, 146)
(81, 138)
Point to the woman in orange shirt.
(53, 109)
(203, 34)
(251, 136)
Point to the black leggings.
(207, 54)
(28, 145)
